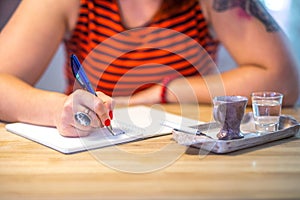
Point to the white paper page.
(138, 122)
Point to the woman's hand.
(152, 95)
(99, 110)
(147, 96)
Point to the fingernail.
(110, 114)
(107, 122)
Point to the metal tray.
(208, 141)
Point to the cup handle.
(216, 114)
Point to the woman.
(33, 34)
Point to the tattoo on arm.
(252, 7)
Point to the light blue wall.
(53, 79)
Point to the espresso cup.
(229, 112)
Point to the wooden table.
(31, 171)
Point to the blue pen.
(83, 80)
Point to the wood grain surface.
(155, 168)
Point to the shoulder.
(72, 8)
(69, 9)
(206, 7)
(65, 11)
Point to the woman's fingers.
(83, 112)
(70, 131)
(99, 106)
(108, 102)
(86, 118)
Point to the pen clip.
(80, 75)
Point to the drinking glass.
(266, 108)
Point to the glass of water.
(266, 110)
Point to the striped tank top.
(121, 61)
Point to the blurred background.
(285, 12)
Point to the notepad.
(138, 122)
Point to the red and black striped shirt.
(121, 61)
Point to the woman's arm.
(27, 45)
(258, 46)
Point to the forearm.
(21, 102)
(247, 79)
(240, 81)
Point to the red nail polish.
(110, 114)
(107, 122)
